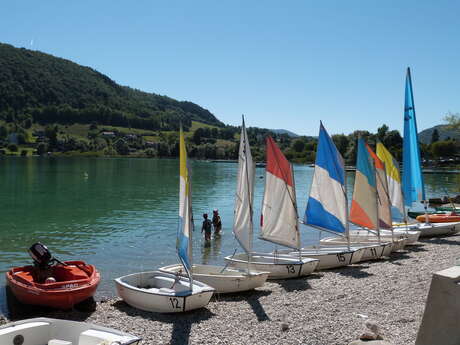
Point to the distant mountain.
(444, 133)
(51, 89)
(285, 131)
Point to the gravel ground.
(327, 307)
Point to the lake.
(122, 214)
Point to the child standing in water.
(216, 222)
(206, 227)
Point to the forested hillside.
(48, 89)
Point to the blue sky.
(284, 64)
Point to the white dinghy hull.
(372, 251)
(363, 236)
(223, 280)
(438, 229)
(43, 330)
(162, 292)
(278, 267)
(329, 257)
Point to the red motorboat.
(52, 283)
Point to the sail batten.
(364, 211)
(413, 187)
(279, 220)
(327, 203)
(243, 221)
(184, 233)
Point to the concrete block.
(440, 323)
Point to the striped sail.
(279, 220)
(384, 206)
(184, 233)
(327, 203)
(393, 179)
(242, 221)
(364, 210)
(413, 188)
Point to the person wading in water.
(216, 222)
(207, 225)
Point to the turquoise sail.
(413, 187)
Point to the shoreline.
(328, 307)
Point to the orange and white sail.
(279, 220)
(384, 207)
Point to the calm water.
(121, 214)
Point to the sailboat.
(327, 208)
(413, 184)
(166, 292)
(42, 330)
(364, 206)
(224, 279)
(279, 222)
(395, 194)
(385, 220)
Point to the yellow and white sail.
(393, 178)
(184, 235)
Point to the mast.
(294, 200)
(250, 191)
(347, 224)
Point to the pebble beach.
(328, 307)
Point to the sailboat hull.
(328, 257)
(53, 331)
(360, 236)
(438, 229)
(278, 267)
(372, 251)
(223, 279)
(162, 292)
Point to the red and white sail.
(279, 220)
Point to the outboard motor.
(41, 255)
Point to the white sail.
(279, 220)
(242, 222)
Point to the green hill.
(54, 90)
(444, 132)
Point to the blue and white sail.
(413, 187)
(327, 203)
(184, 233)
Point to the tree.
(42, 148)
(3, 132)
(122, 147)
(13, 147)
(298, 145)
(445, 148)
(51, 134)
(382, 132)
(197, 136)
(341, 142)
(434, 136)
(453, 120)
